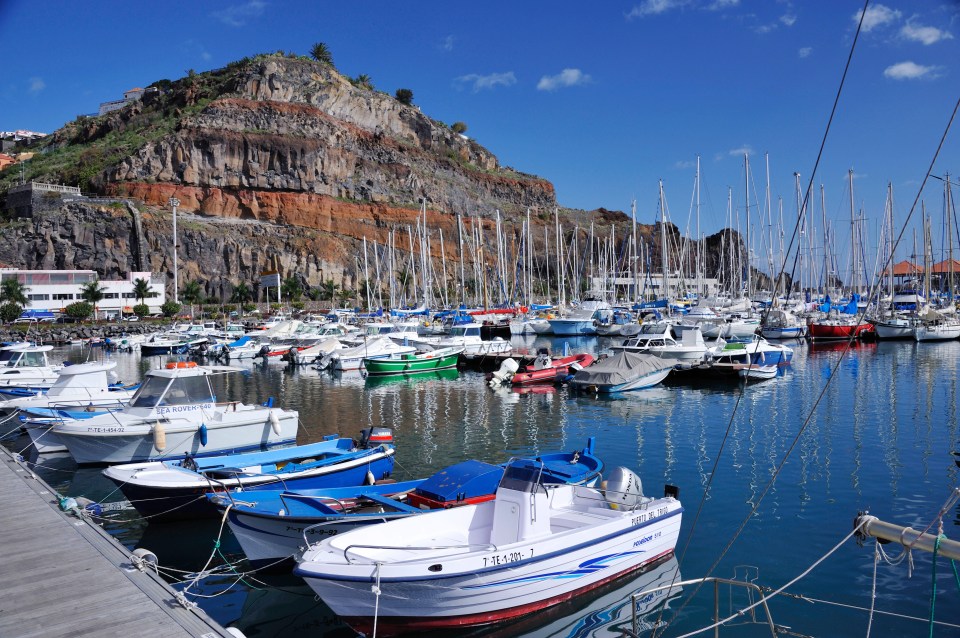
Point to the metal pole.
(174, 202)
(907, 536)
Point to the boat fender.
(144, 557)
(159, 437)
(623, 489)
(275, 422)
(202, 430)
(88, 506)
(369, 479)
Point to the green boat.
(441, 359)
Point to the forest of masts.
(536, 262)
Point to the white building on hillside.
(56, 289)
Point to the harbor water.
(872, 430)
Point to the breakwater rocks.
(64, 334)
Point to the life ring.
(181, 364)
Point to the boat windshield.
(159, 391)
(522, 475)
(20, 359)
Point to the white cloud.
(805, 52)
(36, 85)
(684, 164)
(911, 71)
(746, 149)
(877, 16)
(447, 44)
(655, 7)
(766, 28)
(920, 33)
(481, 82)
(720, 5)
(567, 77)
(239, 14)
(788, 19)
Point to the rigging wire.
(806, 422)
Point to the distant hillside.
(315, 162)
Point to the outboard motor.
(264, 351)
(543, 360)
(372, 437)
(623, 489)
(507, 369)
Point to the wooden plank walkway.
(61, 576)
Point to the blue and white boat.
(273, 525)
(580, 320)
(534, 546)
(740, 358)
(171, 490)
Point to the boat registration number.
(644, 517)
(106, 430)
(509, 557)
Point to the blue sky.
(602, 99)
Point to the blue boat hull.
(178, 504)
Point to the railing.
(716, 599)
(487, 546)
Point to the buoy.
(203, 434)
(181, 364)
(275, 422)
(159, 437)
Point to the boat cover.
(468, 479)
(621, 368)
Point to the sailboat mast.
(854, 265)
(746, 190)
(663, 245)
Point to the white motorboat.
(26, 366)
(352, 358)
(533, 546)
(316, 352)
(466, 336)
(85, 386)
(936, 326)
(174, 413)
(690, 350)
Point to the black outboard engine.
(372, 437)
(264, 351)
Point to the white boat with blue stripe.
(534, 546)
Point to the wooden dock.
(64, 576)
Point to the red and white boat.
(546, 369)
(835, 329)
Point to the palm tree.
(241, 294)
(363, 81)
(404, 96)
(291, 289)
(142, 290)
(328, 289)
(321, 53)
(92, 292)
(192, 294)
(12, 291)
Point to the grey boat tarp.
(621, 368)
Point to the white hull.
(937, 333)
(481, 581)
(118, 438)
(43, 438)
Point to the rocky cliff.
(279, 161)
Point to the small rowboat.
(442, 359)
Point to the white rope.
(778, 591)
(200, 574)
(376, 605)
(873, 585)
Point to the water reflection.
(880, 437)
